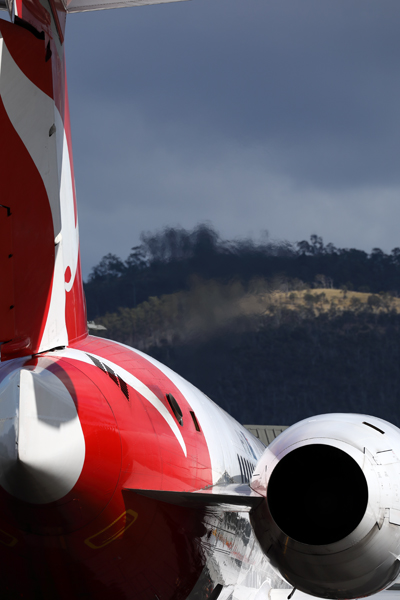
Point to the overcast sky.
(253, 115)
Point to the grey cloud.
(290, 73)
(242, 112)
(149, 185)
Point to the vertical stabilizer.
(41, 296)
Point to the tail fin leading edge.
(41, 299)
(42, 303)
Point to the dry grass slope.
(210, 307)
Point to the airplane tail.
(42, 304)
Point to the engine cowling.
(330, 521)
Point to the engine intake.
(330, 519)
(331, 497)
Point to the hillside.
(210, 308)
(170, 261)
(273, 355)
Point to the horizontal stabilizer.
(266, 433)
(284, 594)
(231, 497)
(74, 6)
(86, 5)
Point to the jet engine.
(330, 518)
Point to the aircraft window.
(116, 378)
(111, 374)
(176, 409)
(250, 469)
(246, 469)
(97, 362)
(241, 468)
(373, 427)
(124, 387)
(196, 424)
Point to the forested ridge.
(167, 261)
(272, 332)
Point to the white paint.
(42, 434)
(220, 430)
(133, 382)
(32, 114)
(85, 5)
(9, 404)
(55, 330)
(394, 516)
(369, 552)
(70, 233)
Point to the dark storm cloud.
(252, 114)
(317, 79)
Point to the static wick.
(291, 593)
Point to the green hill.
(167, 262)
(270, 352)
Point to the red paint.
(67, 275)
(7, 326)
(191, 472)
(32, 63)
(32, 237)
(34, 13)
(57, 20)
(101, 540)
(75, 308)
(33, 232)
(80, 542)
(101, 470)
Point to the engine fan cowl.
(330, 521)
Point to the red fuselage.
(101, 538)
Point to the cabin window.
(176, 409)
(246, 469)
(195, 421)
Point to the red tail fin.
(41, 297)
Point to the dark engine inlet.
(317, 494)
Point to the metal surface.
(146, 546)
(86, 5)
(107, 487)
(266, 433)
(370, 543)
(227, 498)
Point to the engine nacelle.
(330, 522)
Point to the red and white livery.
(117, 477)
